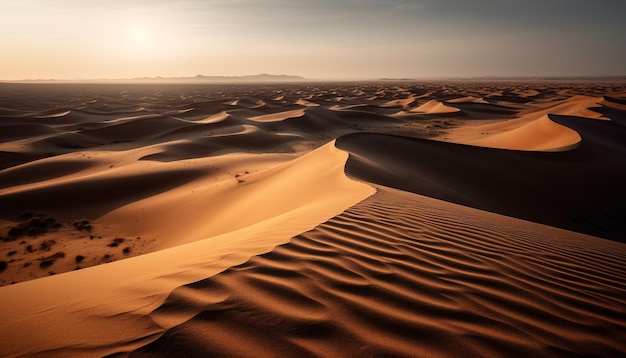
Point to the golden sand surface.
(392, 218)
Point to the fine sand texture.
(411, 219)
(404, 275)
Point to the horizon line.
(273, 78)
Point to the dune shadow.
(580, 190)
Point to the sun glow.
(141, 40)
(138, 35)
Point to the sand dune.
(267, 211)
(534, 129)
(144, 220)
(403, 275)
(248, 102)
(541, 134)
(434, 107)
(468, 99)
(19, 131)
(280, 116)
(613, 109)
(404, 103)
(579, 189)
(253, 196)
(497, 110)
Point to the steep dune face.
(579, 189)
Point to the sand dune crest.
(434, 107)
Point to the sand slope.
(403, 275)
(534, 128)
(278, 205)
(434, 107)
(541, 134)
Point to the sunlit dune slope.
(252, 218)
(434, 107)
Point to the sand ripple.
(403, 275)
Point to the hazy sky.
(316, 39)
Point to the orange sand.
(340, 219)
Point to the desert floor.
(315, 219)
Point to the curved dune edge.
(103, 309)
(400, 274)
(534, 130)
(580, 189)
(313, 183)
(277, 117)
(540, 134)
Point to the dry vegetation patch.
(33, 244)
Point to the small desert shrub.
(58, 255)
(37, 222)
(16, 231)
(27, 215)
(36, 231)
(35, 226)
(48, 261)
(82, 225)
(116, 242)
(46, 245)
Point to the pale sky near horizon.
(341, 39)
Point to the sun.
(138, 35)
(140, 40)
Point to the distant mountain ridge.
(264, 77)
(261, 78)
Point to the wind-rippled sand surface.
(338, 219)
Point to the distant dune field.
(391, 218)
